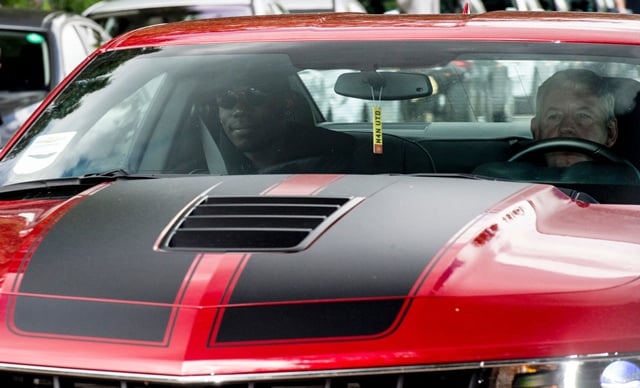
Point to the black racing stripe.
(103, 249)
(312, 320)
(91, 319)
(377, 251)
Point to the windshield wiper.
(63, 187)
(107, 176)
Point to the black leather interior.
(628, 113)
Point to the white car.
(299, 6)
(118, 16)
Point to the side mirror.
(383, 85)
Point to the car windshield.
(408, 107)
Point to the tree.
(76, 6)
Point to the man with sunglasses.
(270, 130)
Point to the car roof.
(106, 6)
(29, 18)
(498, 25)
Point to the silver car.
(118, 16)
(298, 6)
(39, 48)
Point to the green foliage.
(76, 6)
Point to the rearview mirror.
(383, 85)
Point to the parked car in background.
(297, 6)
(37, 50)
(118, 16)
(478, 6)
(193, 208)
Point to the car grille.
(453, 379)
(256, 223)
(583, 372)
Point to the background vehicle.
(297, 6)
(384, 232)
(478, 6)
(38, 48)
(118, 16)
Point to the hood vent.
(256, 223)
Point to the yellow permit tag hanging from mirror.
(377, 129)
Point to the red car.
(326, 200)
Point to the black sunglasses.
(251, 96)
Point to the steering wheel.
(585, 147)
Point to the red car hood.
(405, 271)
